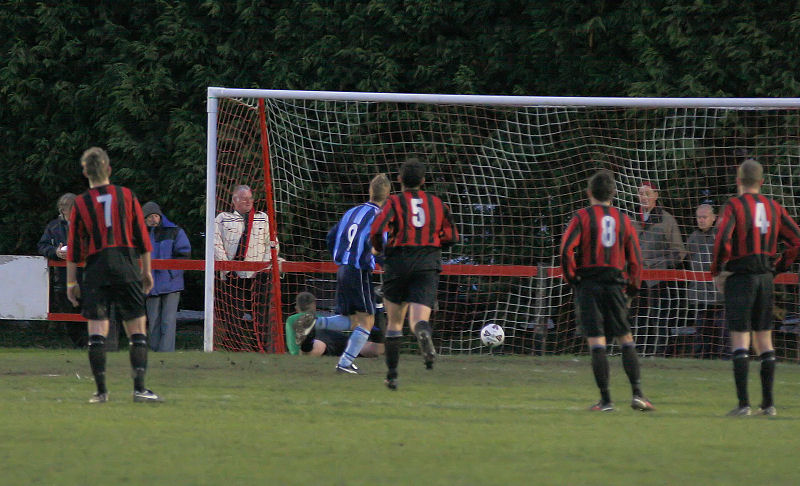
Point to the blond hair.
(96, 164)
(379, 188)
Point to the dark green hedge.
(132, 76)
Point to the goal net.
(513, 171)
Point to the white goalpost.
(513, 169)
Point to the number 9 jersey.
(348, 241)
(601, 244)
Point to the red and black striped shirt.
(600, 242)
(414, 219)
(107, 221)
(749, 231)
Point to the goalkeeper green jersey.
(291, 345)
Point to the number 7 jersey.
(601, 242)
(107, 230)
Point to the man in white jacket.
(243, 297)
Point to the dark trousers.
(656, 311)
(711, 337)
(241, 315)
(75, 330)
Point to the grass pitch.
(263, 419)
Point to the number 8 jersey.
(600, 243)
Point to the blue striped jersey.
(349, 242)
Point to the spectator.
(662, 249)
(704, 300)
(328, 336)
(169, 242)
(53, 245)
(242, 235)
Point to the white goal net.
(513, 171)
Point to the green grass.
(262, 419)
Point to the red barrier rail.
(471, 270)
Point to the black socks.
(630, 362)
(138, 355)
(308, 342)
(97, 361)
(767, 377)
(392, 343)
(741, 361)
(600, 369)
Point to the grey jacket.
(660, 241)
(701, 246)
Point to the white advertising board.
(24, 293)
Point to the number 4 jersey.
(748, 235)
(601, 243)
(107, 230)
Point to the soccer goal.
(513, 170)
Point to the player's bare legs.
(418, 315)
(762, 342)
(395, 316)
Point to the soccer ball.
(492, 334)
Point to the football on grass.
(492, 334)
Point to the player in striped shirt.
(600, 257)
(108, 232)
(349, 243)
(746, 244)
(419, 225)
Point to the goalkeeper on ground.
(328, 336)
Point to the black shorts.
(748, 302)
(601, 309)
(336, 342)
(354, 292)
(127, 297)
(402, 283)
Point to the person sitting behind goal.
(328, 336)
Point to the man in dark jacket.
(52, 245)
(169, 242)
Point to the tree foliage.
(131, 76)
